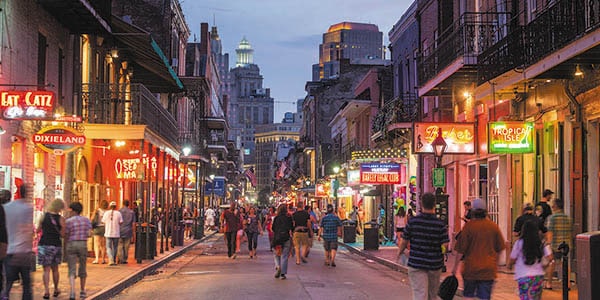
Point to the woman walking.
(98, 231)
(77, 232)
(526, 256)
(240, 232)
(400, 222)
(282, 230)
(268, 223)
(253, 229)
(52, 226)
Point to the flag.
(250, 174)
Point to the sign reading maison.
(26, 105)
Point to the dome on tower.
(244, 53)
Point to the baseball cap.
(477, 204)
(112, 203)
(547, 193)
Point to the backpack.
(448, 288)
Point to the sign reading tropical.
(460, 137)
(58, 139)
(380, 173)
(27, 105)
(510, 137)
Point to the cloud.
(301, 42)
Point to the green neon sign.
(510, 137)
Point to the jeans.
(252, 240)
(424, 283)
(281, 261)
(13, 273)
(112, 245)
(124, 244)
(77, 254)
(230, 237)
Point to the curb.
(116, 288)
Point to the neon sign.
(134, 168)
(26, 105)
(380, 173)
(460, 137)
(510, 137)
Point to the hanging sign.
(58, 139)
(460, 137)
(380, 173)
(510, 137)
(27, 105)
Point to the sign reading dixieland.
(380, 173)
(460, 137)
(27, 105)
(58, 139)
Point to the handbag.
(448, 288)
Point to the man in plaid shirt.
(77, 232)
(559, 230)
(329, 229)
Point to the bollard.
(564, 249)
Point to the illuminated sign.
(26, 105)
(353, 177)
(58, 139)
(75, 119)
(380, 173)
(510, 137)
(218, 189)
(321, 190)
(460, 137)
(134, 168)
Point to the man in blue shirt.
(329, 229)
(426, 234)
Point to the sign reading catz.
(27, 105)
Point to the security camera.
(14, 138)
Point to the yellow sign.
(460, 137)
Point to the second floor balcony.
(402, 109)
(455, 51)
(124, 104)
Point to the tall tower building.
(250, 103)
(358, 42)
(222, 61)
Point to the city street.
(205, 272)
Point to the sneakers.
(234, 256)
(283, 277)
(278, 273)
(82, 295)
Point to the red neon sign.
(26, 105)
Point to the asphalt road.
(205, 272)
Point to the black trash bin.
(145, 242)
(199, 228)
(177, 237)
(349, 231)
(371, 236)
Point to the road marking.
(198, 272)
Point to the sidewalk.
(105, 281)
(505, 287)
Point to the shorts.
(49, 255)
(300, 238)
(530, 286)
(330, 245)
(481, 289)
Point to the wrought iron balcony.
(127, 104)
(471, 34)
(402, 109)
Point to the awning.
(150, 65)
(80, 16)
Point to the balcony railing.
(552, 29)
(471, 34)
(402, 109)
(346, 153)
(127, 104)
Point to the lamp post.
(439, 147)
(336, 170)
(212, 189)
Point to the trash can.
(145, 242)
(349, 235)
(177, 237)
(371, 236)
(588, 265)
(199, 228)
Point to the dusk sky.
(285, 34)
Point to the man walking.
(527, 216)
(232, 225)
(479, 244)
(77, 233)
(330, 228)
(425, 259)
(19, 227)
(112, 220)
(209, 214)
(126, 231)
(544, 206)
(302, 227)
(559, 231)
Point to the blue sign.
(219, 187)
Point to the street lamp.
(212, 189)
(439, 147)
(336, 170)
